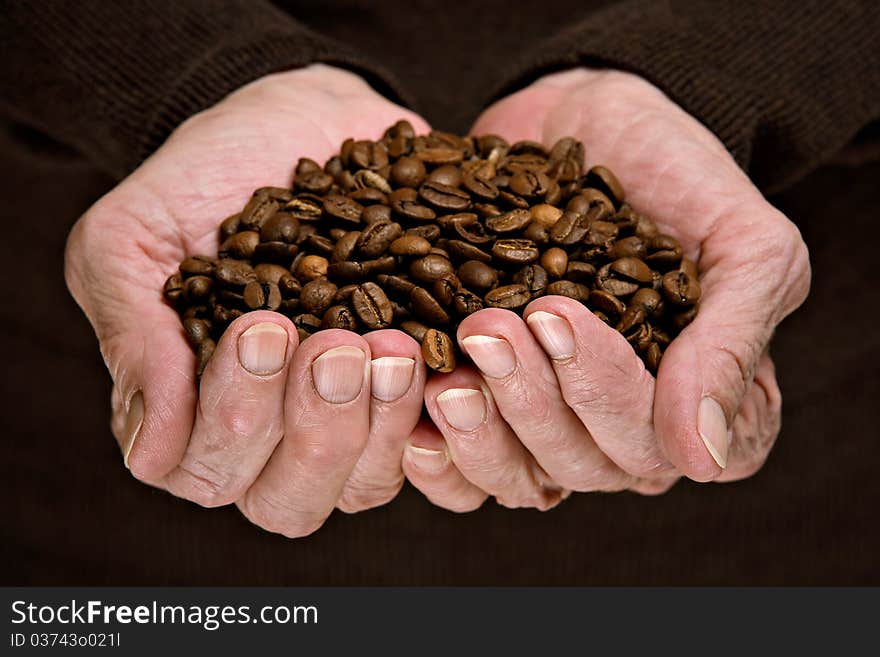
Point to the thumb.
(144, 349)
(755, 272)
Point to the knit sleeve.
(113, 79)
(784, 85)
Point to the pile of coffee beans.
(418, 232)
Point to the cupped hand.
(561, 402)
(286, 431)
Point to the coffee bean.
(438, 350)
(371, 306)
(680, 289)
(410, 245)
(555, 261)
(481, 223)
(234, 273)
(477, 275)
(375, 239)
(534, 278)
(240, 246)
(203, 354)
(430, 268)
(510, 297)
(317, 295)
(427, 307)
(515, 251)
(339, 317)
(198, 266)
(444, 197)
(509, 222)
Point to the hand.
(561, 402)
(287, 432)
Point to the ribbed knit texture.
(113, 79)
(783, 84)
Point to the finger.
(326, 424)
(240, 411)
(756, 272)
(429, 468)
(756, 425)
(602, 380)
(397, 389)
(526, 392)
(482, 445)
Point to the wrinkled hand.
(561, 401)
(287, 432)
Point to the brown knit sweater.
(784, 84)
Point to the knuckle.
(279, 517)
(358, 497)
(205, 484)
(590, 477)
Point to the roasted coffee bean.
(262, 296)
(234, 273)
(465, 302)
(259, 209)
(481, 223)
(510, 297)
(569, 289)
(343, 209)
(280, 227)
(270, 273)
(679, 288)
(580, 272)
(607, 303)
(555, 261)
(317, 296)
(410, 245)
(663, 251)
(198, 266)
(465, 251)
(311, 267)
(438, 350)
(376, 213)
(444, 197)
(240, 246)
(371, 306)
(203, 354)
(427, 307)
(339, 317)
(197, 331)
(509, 222)
(632, 269)
(197, 288)
(444, 288)
(430, 268)
(515, 251)
(477, 275)
(605, 181)
(230, 225)
(534, 278)
(375, 239)
(415, 330)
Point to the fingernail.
(431, 461)
(263, 348)
(494, 356)
(339, 374)
(554, 334)
(463, 408)
(391, 377)
(133, 422)
(713, 430)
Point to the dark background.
(75, 516)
